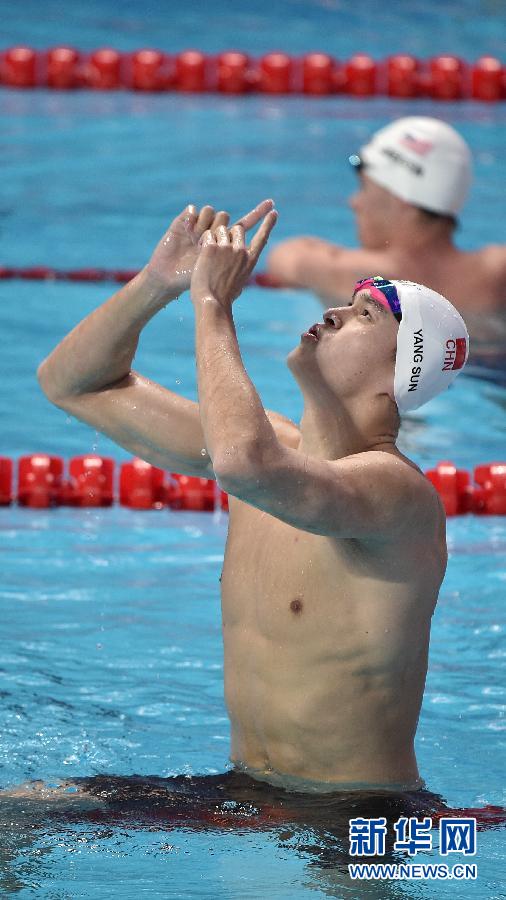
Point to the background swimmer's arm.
(326, 269)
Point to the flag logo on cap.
(455, 353)
(417, 145)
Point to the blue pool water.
(111, 657)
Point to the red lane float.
(6, 496)
(402, 76)
(84, 275)
(447, 75)
(62, 68)
(453, 486)
(233, 76)
(102, 72)
(318, 74)
(276, 74)
(18, 67)
(491, 493)
(486, 496)
(361, 76)
(191, 71)
(444, 77)
(190, 492)
(37, 273)
(141, 485)
(149, 71)
(487, 78)
(40, 481)
(90, 483)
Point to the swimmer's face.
(376, 211)
(351, 351)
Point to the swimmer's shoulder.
(400, 482)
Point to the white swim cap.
(421, 160)
(432, 341)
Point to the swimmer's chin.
(297, 357)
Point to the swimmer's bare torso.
(326, 646)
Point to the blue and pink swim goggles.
(384, 291)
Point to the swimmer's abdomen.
(319, 719)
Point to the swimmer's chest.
(276, 576)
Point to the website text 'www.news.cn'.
(456, 836)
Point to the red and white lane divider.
(43, 481)
(233, 72)
(46, 273)
(89, 481)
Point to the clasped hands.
(199, 251)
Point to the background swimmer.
(414, 176)
(336, 546)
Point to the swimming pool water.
(112, 663)
(111, 653)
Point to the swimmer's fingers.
(222, 236)
(221, 218)
(237, 237)
(207, 239)
(204, 220)
(209, 219)
(261, 237)
(186, 220)
(255, 215)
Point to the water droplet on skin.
(203, 452)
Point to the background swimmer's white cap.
(421, 160)
(432, 341)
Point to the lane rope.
(445, 77)
(44, 481)
(121, 276)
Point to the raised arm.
(90, 375)
(370, 496)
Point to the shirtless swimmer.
(336, 546)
